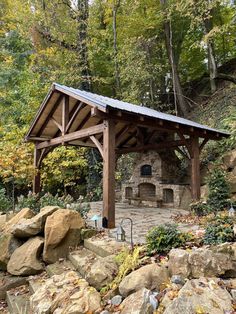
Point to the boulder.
(102, 272)
(201, 296)
(8, 244)
(24, 261)
(9, 282)
(213, 261)
(178, 262)
(25, 213)
(3, 219)
(30, 227)
(150, 276)
(137, 303)
(62, 231)
(65, 294)
(232, 183)
(229, 159)
(204, 262)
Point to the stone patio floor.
(144, 218)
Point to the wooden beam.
(98, 145)
(126, 140)
(152, 146)
(49, 116)
(158, 124)
(182, 153)
(120, 135)
(195, 170)
(203, 144)
(85, 119)
(36, 179)
(73, 136)
(65, 113)
(57, 124)
(108, 220)
(73, 114)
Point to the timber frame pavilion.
(70, 116)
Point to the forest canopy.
(142, 51)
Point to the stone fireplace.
(155, 182)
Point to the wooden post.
(36, 180)
(108, 220)
(195, 170)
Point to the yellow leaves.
(199, 310)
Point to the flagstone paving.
(144, 219)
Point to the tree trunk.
(181, 106)
(212, 67)
(116, 5)
(82, 49)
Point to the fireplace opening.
(128, 192)
(146, 190)
(168, 196)
(146, 170)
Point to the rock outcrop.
(62, 231)
(102, 272)
(24, 260)
(204, 262)
(25, 213)
(8, 244)
(30, 227)
(67, 293)
(150, 276)
(201, 296)
(137, 303)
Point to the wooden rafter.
(73, 136)
(54, 108)
(152, 146)
(73, 114)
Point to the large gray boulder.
(25, 259)
(150, 276)
(102, 272)
(137, 303)
(26, 228)
(8, 244)
(201, 296)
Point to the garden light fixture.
(120, 232)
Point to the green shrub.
(163, 238)
(29, 201)
(200, 208)
(5, 202)
(218, 198)
(219, 230)
(34, 202)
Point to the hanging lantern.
(231, 211)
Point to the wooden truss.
(113, 133)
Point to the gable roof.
(105, 104)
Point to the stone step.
(82, 259)
(35, 284)
(59, 267)
(8, 282)
(104, 246)
(18, 304)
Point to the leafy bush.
(35, 202)
(5, 202)
(200, 208)
(163, 238)
(218, 198)
(29, 201)
(219, 230)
